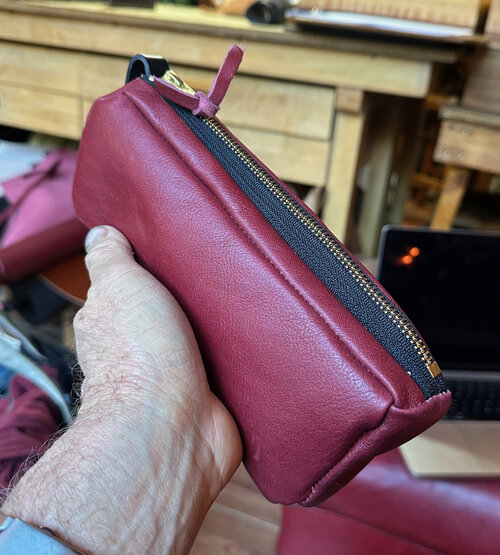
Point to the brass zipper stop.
(434, 369)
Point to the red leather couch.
(385, 510)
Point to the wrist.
(97, 495)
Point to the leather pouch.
(320, 368)
(40, 223)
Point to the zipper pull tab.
(201, 104)
(173, 79)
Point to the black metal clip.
(146, 67)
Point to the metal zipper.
(374, 293)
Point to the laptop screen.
(448, 283)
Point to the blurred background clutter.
(374, 112)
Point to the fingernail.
(94, 236)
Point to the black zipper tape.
(316, 255)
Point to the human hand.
(151, 446)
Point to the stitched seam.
(317, 483)
(256, 246)
(306, 500)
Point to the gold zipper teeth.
(352, 267)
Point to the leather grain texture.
(314, 395)
(385, 503)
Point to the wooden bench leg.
(450, 199)
(378, 157)
(341, 179)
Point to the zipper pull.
(173, 87)
(173, 79)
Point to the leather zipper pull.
(201, 104)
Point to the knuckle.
(99, 253)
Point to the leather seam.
(316, 484)
(306, 500)
(263, 254)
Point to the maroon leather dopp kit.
(320, 368)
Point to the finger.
(107, 249)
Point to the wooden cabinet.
(300, 101)
(288, 125)
(40, 110)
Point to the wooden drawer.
(293, 159)
(43, 68)
(286, 124)
(101, 75)
(268, 104)
(38, 110)
(258, 103)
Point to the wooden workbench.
(468, 140)
(303, 103)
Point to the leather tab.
(202, 104)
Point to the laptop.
(448, 283)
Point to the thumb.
(107, 249)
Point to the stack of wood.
(459, 13)
(482, 90)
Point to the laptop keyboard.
(474, 400)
